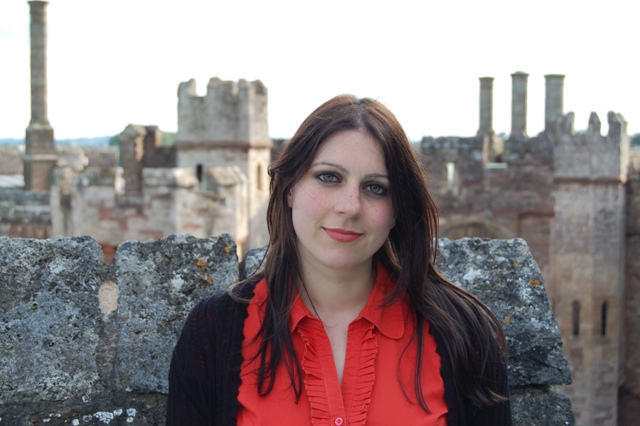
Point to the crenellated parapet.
(589, 155)
(465, 153)
(229, 114)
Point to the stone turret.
(228, 126)
(587, 254)
(40, 154)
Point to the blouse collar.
(390, 320)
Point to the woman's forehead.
(350, 146)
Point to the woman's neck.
(330, 293)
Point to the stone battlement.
(591, 155)
(88, 343)
(231, 113)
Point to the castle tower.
(519, 105)
(40, 152)
(229, 127)
(554, 97)
(587, 259)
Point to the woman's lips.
(342, 235)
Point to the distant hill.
(96, 141)
(9, 141)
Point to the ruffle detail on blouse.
(315, 382)
(366, 378)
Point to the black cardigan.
(204, 376)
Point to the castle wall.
(102, 157)
(154, 154)
(172, 200)
(629, 408)
(24, 214)
(257, 172)
(482, 199)
(11, 160)
(230, 186)
(526, 192)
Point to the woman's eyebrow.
(328, 163)
(345, 171)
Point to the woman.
(348, 322)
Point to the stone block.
(252, 261)
(541, 406)
(169, 178)
(49, 318)
(504, 275)
(158, 283)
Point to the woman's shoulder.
(224, 304)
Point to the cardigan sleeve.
(189, 372)
(462, 411)
(498, 414)
(204, 375)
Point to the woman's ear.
(290, 198)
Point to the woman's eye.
(327, 177)
(377, 189)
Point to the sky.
(116, 62)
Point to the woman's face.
(341, 208)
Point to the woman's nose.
(349, 202)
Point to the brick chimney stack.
(40, 153)
(519, 105)
(554, 98)
(486, 106)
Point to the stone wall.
(75, 157)
(171, 200)
(24, 214)
(89, 344)
(629, 408)
(504, 200)
(12, 160)
(102, 157)
(141, 147)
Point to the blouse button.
(339, 421)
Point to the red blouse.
(371, 392)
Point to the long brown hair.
(408, 255)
